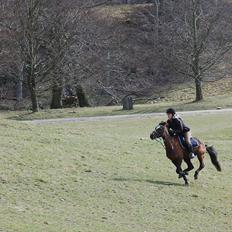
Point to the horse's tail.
(213, 156)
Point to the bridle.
(159, 139)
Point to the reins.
(159, 140)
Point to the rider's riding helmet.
(171, 111)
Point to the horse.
(176, 152)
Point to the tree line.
(57, 43)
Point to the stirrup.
(191, 155)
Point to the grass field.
(108, 176)
(223, 101)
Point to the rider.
(177, 126)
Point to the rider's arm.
(179, 127)
(168, 124)
(169, 127)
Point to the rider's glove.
(171, 132)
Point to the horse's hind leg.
(202, 165)
(179, 171)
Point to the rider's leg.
(187, 137)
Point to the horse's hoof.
(186, 184)
(195, 177)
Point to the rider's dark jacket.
(177, 125)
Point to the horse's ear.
(162, 123)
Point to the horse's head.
(159, 131)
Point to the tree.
(29, 31)
(194, 40)
(64, 19)
(45, 30)
(82, 98)
(65, 41)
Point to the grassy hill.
(132, 32)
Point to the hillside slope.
(121, 56)
(138, 67)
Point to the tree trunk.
(32, 89)
(82, 98)
(56, 97)
(195, 59)
(19, 90)
(19, 85)
(34, 100)
(199, 92)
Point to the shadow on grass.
(155, 182)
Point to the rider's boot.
(190, 150)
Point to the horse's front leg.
(190, 165)
(179, 170)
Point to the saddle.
(194, 142)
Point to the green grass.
(224, 101)
(108, 176)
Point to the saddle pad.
(194, 141)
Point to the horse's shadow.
(155, 182)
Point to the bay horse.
(177, 153)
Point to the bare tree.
(194, 40)
(43, 33)
(29, 31)
(67, 39)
